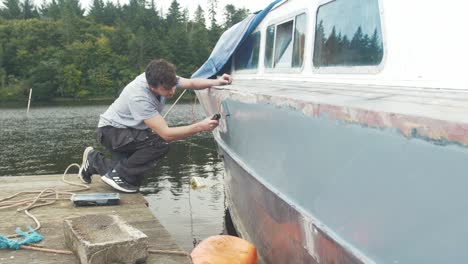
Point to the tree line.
(61, 51)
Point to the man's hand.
(208, 124)
(225, 79)
(159, 126)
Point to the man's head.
(161, 77)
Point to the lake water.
(51, 138)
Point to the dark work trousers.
(133, 152)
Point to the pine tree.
(199, 18)
(319, 50)
(355, 46)
(181, 53)
(331, 48)
(364, 50)
(212, 6)
(199, 38)
(96, 11)
(70, 8)
(75, 6)
(1, 55)
(357, 39)
(29, 10)
(215, 30)
(50, 10)
(111, 13)
(375, 49)
(2, 71)
(174, 16)
(137, 49)
(345, 50)
(134, 15)
(12, 9)
(229, 11)
(233, 16)
(185, 19)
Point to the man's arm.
(159, 125)
(199, 84)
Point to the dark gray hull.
(318, 183)
(275, 227)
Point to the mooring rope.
(68, 252)
(172, 106)
(192, 234)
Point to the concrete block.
(105, 239)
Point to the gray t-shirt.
(136, 103)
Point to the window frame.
(291, 17)
(272, 48)
(249, 71)
(368, 69)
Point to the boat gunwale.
(439, 124)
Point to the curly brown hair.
(161, 72)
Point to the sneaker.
(85, 172)
(114, 180)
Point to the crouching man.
(133, 130)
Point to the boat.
(344, 135)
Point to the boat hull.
(278, 230)
(320, 189)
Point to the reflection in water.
(54, 137)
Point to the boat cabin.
(404, 43)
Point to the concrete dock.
(133, 209)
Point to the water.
(54, 137)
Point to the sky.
(363, 13)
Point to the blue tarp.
(229, 41)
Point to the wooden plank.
(133, 209)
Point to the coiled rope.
(41, 199)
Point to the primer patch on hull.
(440, 132)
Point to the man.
(133, 130)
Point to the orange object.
(223, 250)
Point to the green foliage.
(199, 38)
(51, 10)
(232, 15)
(174, 16)
(71, 80)
(28, 10)
(2, 78)
(59, 52)
(45, 80)
(12, 9)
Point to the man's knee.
(160, 147)
(165, 148)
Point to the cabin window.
(284, 46)
(348, 33)
(299, 41)
(246, 57)
(270, 41)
